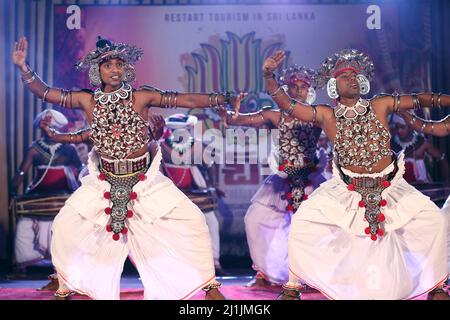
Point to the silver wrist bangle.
(416, 102)
(216, 99)
(44, 96)
(27, 81)
(274, 94)
(175, 100)
(314, 114)
(210, 100)
(397, 104)
(291, 107)
(27, 72)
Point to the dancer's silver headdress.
(300, 73)
(105, 50)
(347, 59)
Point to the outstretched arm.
(71, 137)
(64, 98)
(439, 128)
(398, 103)
(292, 107)
(254, 119)
(201, 100)
(155, 97)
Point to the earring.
(94, 76)
(311, 97)
(364, 84)
(332, 88)
(130, 73)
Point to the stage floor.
(234, 288)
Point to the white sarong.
(167, 238)
(267, 225)
(329, 250)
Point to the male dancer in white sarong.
(365, 233)
(49, 132)
(124, 194)
(268, 219)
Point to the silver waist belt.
(125, 166)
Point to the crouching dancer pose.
(268, 219)
(365, 233)
(125, 205)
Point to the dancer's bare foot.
(212, 291)
(51, 286)
(290, 294)
(258, 283)
(438, 294)
(214, 294)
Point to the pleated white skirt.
(329, 250)
(167, 238)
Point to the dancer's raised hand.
(19, 55)
(237, 104)
(273, 62)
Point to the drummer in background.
(417, 150)
(55, 171)
(177, 147)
